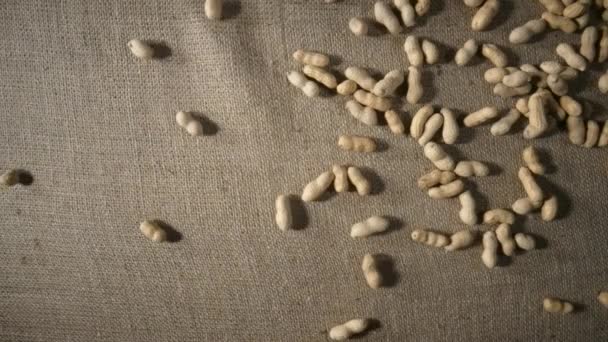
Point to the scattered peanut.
(479, 117)
(436, 177)
(419, 120)
(461, 239)
(371, 271)
(490, 248)
(466, 53)
(576, 130)
(413, 50)
(525, 241)
(385, 16)
(362, 184)
(449, 190)
(361, 77)
(571, 57)
(298, 80)
(408, 14)
(320, 75)
(504, 236)
(451, 130)
(373, 225)
(140, 49)
(311, 58)
(153, 231)
(348, 329)
(524, 33)
(213, 9)
(356, 143)
(315, 189)
(495, 55)
(340, 178)
(430, 51)
(388, 84)
(485, 14)
(394, 122)
(358, 26)
(283, 218)
(438, 157)
(471, 168)
(593, 134)
(368, 99)
(496, 216)
(189, 123)
(557, 22)
(468, 212)
(366, 115)
(554, 305)
(432, 126)
(347, 87)
(532, 160)
(504, 125)
(430, 238)
(589, 38)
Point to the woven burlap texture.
(96, 128)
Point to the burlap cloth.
(96, 128)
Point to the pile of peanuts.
(542, 94)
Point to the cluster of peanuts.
(542, 90)
(384, 15)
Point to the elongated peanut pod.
(371, 271)
(361, 77)
(298, 80)
(368, 99)
(485, 14)
(432, 126)
(140, 49)
(589, 38)
(489, 256)
(358, 26)
(366, 115)
(430, 238)
(525, 241)
(480, 116)
(415, 91)
(451, 130)
(283, 217)
(496, 216)
(602, 83)
(413, 50)
(430, 51)
(460, 240)
(548, 212)
(516, 79)
(593, 134)
(213, 9)
(422, 7)
(534, 191)
(311, 58)
(449, 190)
(468, 212)
(347, 87)
(552, 67)
(389, 83)
(557, 85)
(408, 13)
(538, 123)
(504, 236)
(602, 297)
(316, 188)
(557, 22)
(603, 45)
(419, 120)
(576, 9)
(357, 143)
(504, 125)
(495, 75)
(571, 106)
(466, 53)
(571, 57)
(524, 206)
(340, 178)
(471, 168)
(320, 75)
(576, 130)
(371, 226)
(348, 329)
(603, 141)
(504, 91)
(9, 178)
(524, 33)
(522, 106)
(394, 122)
(554, 305)
(385, 16)
(438, 157)
(553, 6)
(153, 231)
(495, 55)
(532, 160)
(436, 177)
(362, 184)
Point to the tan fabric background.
(96, 129)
